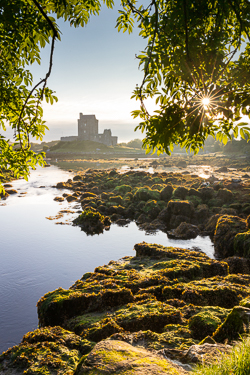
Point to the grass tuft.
(237, 362)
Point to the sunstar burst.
(205, 101)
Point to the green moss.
(147, 315)
(194, 200)
(236, 324)
(115, 199)
(158, 187)
(245, 302)
(123, 358)
(226, 229)
(81, 322)
(215, 291)
(142, 315)
(122, 189)
(206, 321)
(242, 244)
(145, 194)
(90, 216)
(47, 351)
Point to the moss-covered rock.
(152, 208)
(92, 221)
(226, 229)
(88, 194)
(57, 306)
(184, 231)
(215, 291)
(238, 265)
(127, 295)
(166, 192)
(133, 187)
(245, 302)
(212, 223)
(145, 194)
(194, 200)
(242, 244)
(122, 189)
(114, 356)
(208, 267)
(215, 202)
(236, 323)
(115, 199)
(194, 193)
(184, 208)
(206, 193)
(207, 321)
(52, 351)
(225, 195)
(180, 192)
(174, 336)
(164, 298)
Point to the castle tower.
(87, 127)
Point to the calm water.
(38, 256)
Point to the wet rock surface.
(113, 357)
(164, 299)
(227, 228)
(45, 351)
(184, 231)
(182, 205)
(164, 306)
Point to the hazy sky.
(94, 72)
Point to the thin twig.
(135, 10)
(149, 58)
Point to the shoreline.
(136, 294)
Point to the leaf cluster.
(27, 26)
(195, 49)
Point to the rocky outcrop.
(184, 231)
(159, 201)
(92, 222)
(166, 299)
(53, 351)
(113, 357)
(226, 229)
(235, 324)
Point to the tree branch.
(150, 57)
(134, 9)
(186, 28)
(44, 80)
(235, 9)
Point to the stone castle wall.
(88, 131)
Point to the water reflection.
(38, 256)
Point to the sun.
(205, 101)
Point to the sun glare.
(205, 101)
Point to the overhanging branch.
(44, 80)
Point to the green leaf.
(224, 139)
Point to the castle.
(88, 131)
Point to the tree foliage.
(197, 68)
(26, 26)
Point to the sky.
(95, 71)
